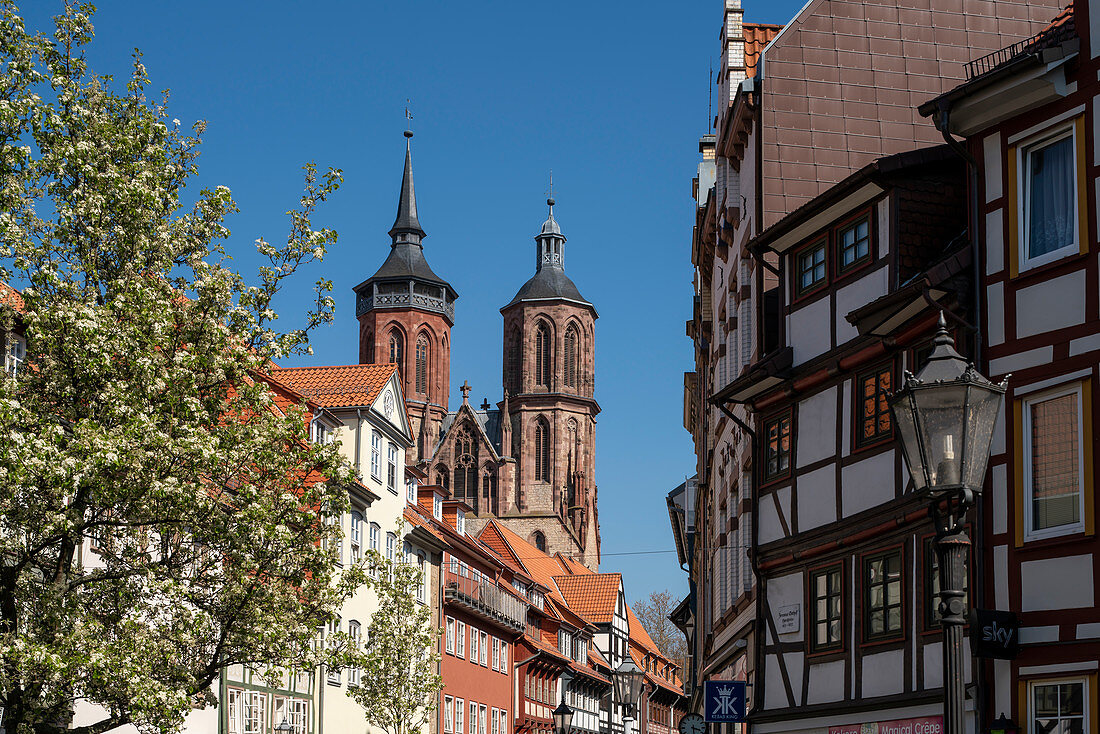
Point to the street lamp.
(284, 728)
(563, 716)
(628, 685)
(1001, 725)
(945, 416)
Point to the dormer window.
(460, 522)
(437, 507)
(410, 490)
(17, 354)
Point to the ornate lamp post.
(1001, 725)
(284, 727)
(945, 416)
(628, 679)
(563, 716)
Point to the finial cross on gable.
(465, 390)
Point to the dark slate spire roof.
(549, 281)
(406, 259)
(406, 221)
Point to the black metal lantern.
(628, 683)
(1001, 725)
(284, 727)
(563, 716)
(945, 416)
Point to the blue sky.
(611, 96)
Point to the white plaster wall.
(867, 483)
(1057, 583)
(991, 154)
(817, 427)
(826, 682)
(1000, 576)
(775, 695)
(994, 241)
(856, 294)
(933, 664)
(846, 418)
(1020, 361)
(995, 314)
(784, 591)
(883, 209)
(808, 331)
(1050, 305)
(883, 673)
(817, 498)
(770, 527)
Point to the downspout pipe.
(942, 120)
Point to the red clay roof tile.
(340, 386)
(11, 297)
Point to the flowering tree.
(160, 517)
(399, 683)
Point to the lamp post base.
(952, 549)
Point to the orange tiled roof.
(593, 596)
(757, 36)
(11, 297)
(339, 386)
(596, 659)
(639, 635)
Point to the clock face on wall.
(692, 724)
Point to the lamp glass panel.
(940, 421)
(906, 424)
(984, 405)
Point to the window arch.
(542, 450)
(465, 452)
(442, 477)
(515, 360)
(397, 347)
(572, 355)
(422, 355)
(543, 355)
(539, 540)
(366, 347)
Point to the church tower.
(548, 415)
(405, 314)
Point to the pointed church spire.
(407, 222)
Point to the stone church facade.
(529, 463)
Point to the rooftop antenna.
(408, 119)
(710, 95)
(550, 191)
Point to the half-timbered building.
(1029, 116)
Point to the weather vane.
(550, 191)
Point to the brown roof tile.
(593, 596)
(757, 36)
(11, 297)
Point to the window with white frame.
(484, 651)
(472, 723)
(376, 455)
(1053, 463)
(448, 714)
(460, 521)
(460, 643)
(450, 635)
(410, 490)
(333, 629)
(482, 712)
(1048, 183)
(422, 587)
(375, 532)
(496, 720)
(253, 712)
(233, 704)
(1059, 706)
(503, 656)
(460, 716)
(355, 632)
(356, 535)
(17, 354)
(503, 721)
(391, 467)
(474, 647)
(437, 506)
(496, 653)
(391, 548)
(294, 711)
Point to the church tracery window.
(397, 348)
(465, 453)
(515, 361)
(543, 355)
(542, 450)
(572, 355)
(422, 355)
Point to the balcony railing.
(989, 62)
(486, 598)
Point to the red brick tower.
(549, 424)
(405, 314)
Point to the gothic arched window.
(542, 450)
(539, 540)
(366, 347)
(465, 452)
(543, 355)
(397, 348)
(515, 361)
(422, 364)
(442, 477)
(572, 355)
